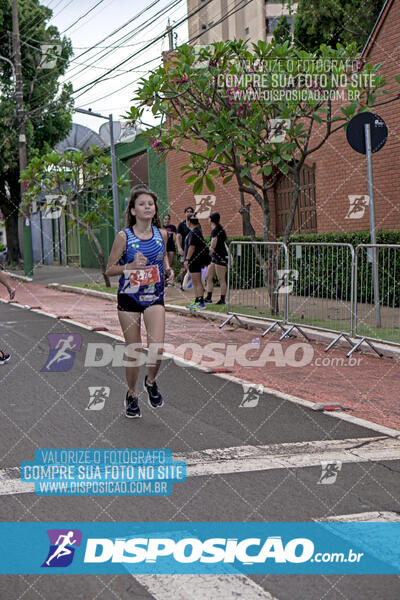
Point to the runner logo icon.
(62, 547)
(62, 351)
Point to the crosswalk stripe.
(247, 459)
(187, 587)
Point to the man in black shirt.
(181, 236)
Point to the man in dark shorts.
(181, 236)
(197, 257)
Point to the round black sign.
(356, 136)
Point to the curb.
(62, 287)
(19, 277)
(250, 324)
(382, 429)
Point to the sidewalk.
(369, 388)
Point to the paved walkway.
(369, 387)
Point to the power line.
(94, 82)
(223, 18)
(36, 21)
(139, 14)
(83, 16)
(125, 37)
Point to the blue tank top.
(137, 284)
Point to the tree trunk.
(11, 220)
(9, 207)
(293, 206)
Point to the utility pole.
(27, 232)
(170, 36)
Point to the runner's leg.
(6, 282)
(130, 325)
(154, 319)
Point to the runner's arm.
(117, 250)
(167, 267)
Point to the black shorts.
(220, 260)
(127, 304)
(195, 267)
(171, 246)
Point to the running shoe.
(4, 357)
(155, 398)
(220, 301)
(191, 304)
(197, 306)
(132, 410)
(208, 301)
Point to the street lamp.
(113, 164)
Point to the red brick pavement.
(369, 388)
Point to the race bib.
(144, 276)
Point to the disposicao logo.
(62, 351)
(62, 547)
(191, 550)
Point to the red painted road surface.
(370, 388)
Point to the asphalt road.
(49, 410)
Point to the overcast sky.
(114, 94)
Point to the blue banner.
(195, 548)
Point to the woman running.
(171, 248)
(139, 256)
(197, 257)
(219, 259)
(4, 357)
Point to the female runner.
(139, 256)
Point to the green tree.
(330, 22)
(77, 185)
(48, 105)
(254, 114)
(282, 31)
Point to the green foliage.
(327, 273)
(331, 22)
(47, 102)
(282, 31)
(79, 176)
(229, 97)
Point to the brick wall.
(180, 195)
(340, 171)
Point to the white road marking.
(366, 517)
(247, 459)
(187, 587)
(288, 455)
(368, 539)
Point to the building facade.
(221, 20)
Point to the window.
(272, 22)
(204, 27)
(138, 169)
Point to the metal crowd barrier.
(256, 272)
(322, 291)
(323, 286)
(377, 294)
